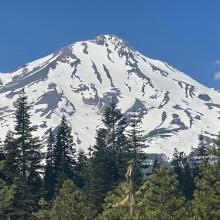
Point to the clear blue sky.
(185, 33)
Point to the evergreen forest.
(53, 179)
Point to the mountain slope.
(80, 79)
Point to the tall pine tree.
(12, 157)
(109, 158)
(136, 145)
(184, 173)
(49, 175)
(81, 169)
(161, 198)
(206, 202)
(27, 146)
(101, 180)
(65, 153)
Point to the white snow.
(81, 96)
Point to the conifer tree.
(12, 158)
(65, 153)
(122, 149)
(184, 174)
(7, 193)
(109, 156)
(69, 203)
(120, 203)
(112, 209)
(206, 202)
(49, 175)
(18, 202)
(23, 162)
(199, 155)
(161, 199)
(202, 149)
(215, 150)
(81, 169)
(113, 122)
(27, 146)
(89, 186)
(101, 180)
(188, 183)
(43, 213)
(136, 146)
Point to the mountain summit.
(80, 79)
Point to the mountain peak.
(79, 80)
(111, 39)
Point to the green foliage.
(7, 193)
(49, 174)
(69, 204)
(115, 140)
(136, 144)
(101, 180)
(82, 169)
(11, 153)
(215, 150)
(44, 212)
(120, 203)
(184, 174)
(161, 199)
(206, 202)
(22, 202)
(97, 175)
(65, 153)
(199, 155)
(112, 207)
(27, 149)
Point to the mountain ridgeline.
(80, 80)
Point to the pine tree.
(81, 169)
(206, 202)
(188, 183)
(122, 149)
(18, 202)
(101, 180)
(65, 153)
(112, 209)
(24, 202)
(49, 175)
(120, 203)
(199, 155)
(136, 146)
(7, 193)
(43, 213)
(109, 157)
(89, 186)
(202, 149)
(12, 158)
(215, 150)
(23, 162)
(69, 203)
(184, 173)
(27, 146)
(113, 122)
(161, 199)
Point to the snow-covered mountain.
(80, 79)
